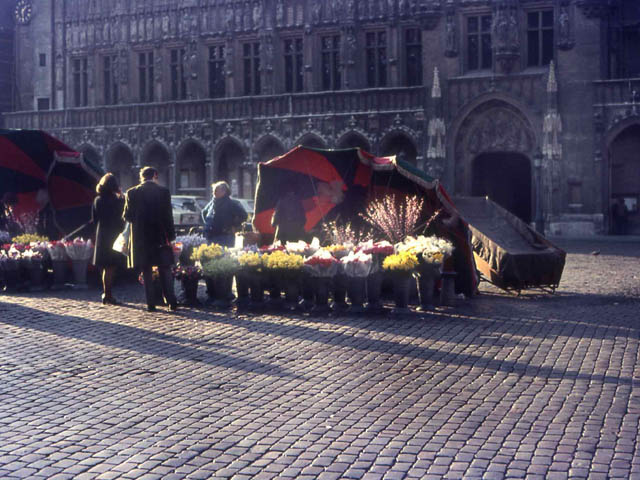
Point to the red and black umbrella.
(34, 167)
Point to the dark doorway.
(625, 181)
(506, 179)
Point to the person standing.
(223, 216)
(106, 215)
(148, 209)
(289, 218)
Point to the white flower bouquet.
(321, 264)
(357, 264)
(79, 249)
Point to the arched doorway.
(232, 168)
(191, 170)
(157, 156)
(506, 179)
(401, 146)
(354, 140)
(312, 141)
(624, 177)
(91, 155)
(120, 162)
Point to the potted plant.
(339, 280)
(188, 275)
(79, 251)
(59, 258)
(356, 267)
(32, 258)
(401, 266)
(184, 247)
(201, 255)
(287, 267)
(378, 251)
(250, 273)
(10, 267)
(321, 267)
(220, 271)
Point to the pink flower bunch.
(395, 216)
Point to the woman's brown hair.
(108, 184)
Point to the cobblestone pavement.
(536, 386)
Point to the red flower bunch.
(187, 272)
(320, 262)
(271, 248)
(378, 248)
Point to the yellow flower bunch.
(433, 257)
(250, 260)
(27, 238)
(204, 253)
(338, 251)
(400, 262)
(280, 260)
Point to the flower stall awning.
(339, 184)
(42, 171)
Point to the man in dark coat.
(148, 209)
(289, 218)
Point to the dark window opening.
(43, 59)
(80, 82)
(43, 103)
(539, 38)
(479, 55)
(178, 84)
(216, 71)
(413, 47)
(330, 51)
(293, 68)
(110, 80)
(145, 76)
(251, 61)
(376, 59)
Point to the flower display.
(250, 260)
(203, 253)
(394, 216)
(280, 260)
(321, 264)
(27, 238)
(32, 255)
(432, 250)
(357, 264)
(382, 248)
(400, 262)
(79, 249)
(187, 272)
(56, 250)
(220, 266)
(187, 244)
(339, 250)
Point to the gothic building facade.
(532, 102)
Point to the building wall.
(6, 57)
(501, 111)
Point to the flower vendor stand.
(59, 260)
(401, 266)
(79, 251)
(356, 266)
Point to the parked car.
(186, 211)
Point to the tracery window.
(178, 84)
(293, 76)
(145, 76)
(539, 38)
(413, 47)
(330, 51)
(216, 71)
(479, 55)
(80, 82)
(109, 71)
(251, 63)
(376, 55)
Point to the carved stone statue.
(280, 13)
(247, 13)
(59, 71)
(316, 13)
(228, 19)
(257, 15)
(190, 62)
(564, 30)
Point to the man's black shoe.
(151, 308)
(173, 306)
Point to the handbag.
(121, 244)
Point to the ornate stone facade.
(440, 83)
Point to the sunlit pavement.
(537, 386)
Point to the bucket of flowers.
(379, 251)
(401, 266)
(188, 276)
(202, 254)
(219, 271)
(251, 271)
(59, 258)
(287, 268)
(321, 268)
(10, 264)
(339, 291)
(79, 251)
(32, 258)
(185, 246)
(356, 267)
(307, 282)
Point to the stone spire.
(435, 89)
(552, 85)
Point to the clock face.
(23, 11)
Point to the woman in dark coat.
(228, 216)
(106, 214)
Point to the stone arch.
(91, 153)
(191, 169)
(119, 161)
(155, 154)
(312, 140)
(400, 144)
(353, 139)
(623, 174)
(233, 167)
(268, 147)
